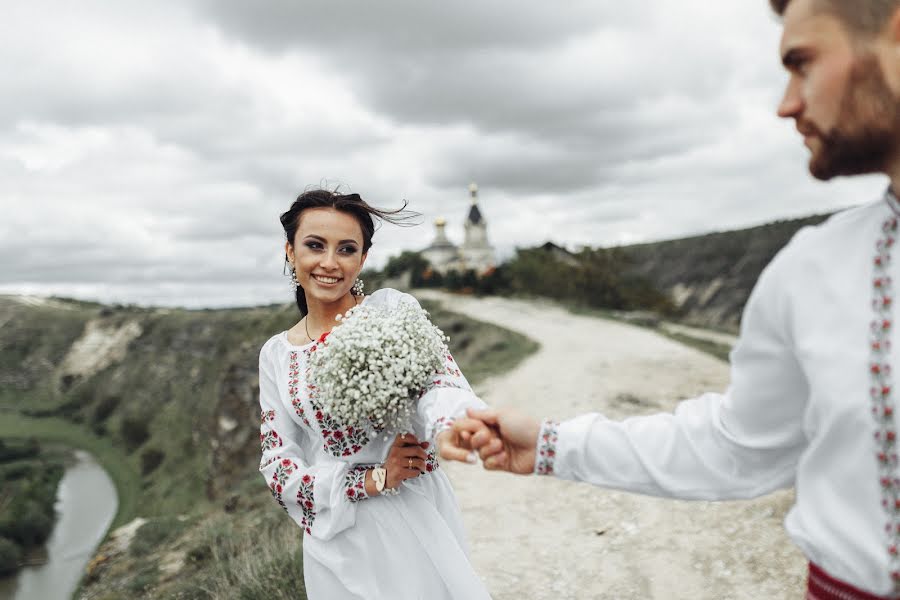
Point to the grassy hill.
(709, 277)
(703, 280)
(167, 401)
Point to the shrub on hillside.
(10, 556)
(14, 449)
(151, 458)
(135, 431)
(27, 522)
(152, 534)
(105, 408)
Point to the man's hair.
(863, 16)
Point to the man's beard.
(867, 134)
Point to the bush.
(146, 579)
(10, 556)
(105, 408)
(154, 533)
(15, 449)
(151, 458)
(135, 431)
(28, 523)
(199, 553)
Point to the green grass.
(123, 473)
(481, 349)
(152, 534)
(720, 351)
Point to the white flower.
(373, 368)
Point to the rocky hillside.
(709, 277)
(167, 401)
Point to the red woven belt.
(822, 586)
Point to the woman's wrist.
(371, 489)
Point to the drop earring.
(357, 289)
(294, 283)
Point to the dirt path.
(541, 538)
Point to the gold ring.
(410, 463)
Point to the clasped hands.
(504, 439)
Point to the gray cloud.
(147, 149)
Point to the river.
(86, 504)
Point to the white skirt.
(406, 547)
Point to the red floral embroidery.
(279, 478)
(339, 441)
(450, 368)
(266, 462)
(880, 392)
(431, 461)
(294, 388)
(546, 450)
(306, 500)
(269, 439)
(441, 424)
(355, 484)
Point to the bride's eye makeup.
(317, 245)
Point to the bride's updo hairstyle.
(353, 205)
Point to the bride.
(379, 516)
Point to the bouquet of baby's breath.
(375, 365)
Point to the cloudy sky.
(147, 148)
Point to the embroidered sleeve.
(355, 483)
(446, 398)
(545, 456)
(742, 443)
(291, 484)
(447, 394)
(315, 496)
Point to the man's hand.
(455, 443)
(508, 440)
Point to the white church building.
(475, 253)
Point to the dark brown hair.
(351, 204)
(862, 16)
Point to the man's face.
(838, 95)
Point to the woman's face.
(327, 253)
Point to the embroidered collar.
(891, 199)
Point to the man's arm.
(743, 443)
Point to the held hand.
(405, 460)
(455, 443)
(509, 440)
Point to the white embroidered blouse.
(809, 405)
(411, 545)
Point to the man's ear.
(895, 25)
(891, 58)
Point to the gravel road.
(535, 538)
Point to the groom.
(811, 401)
